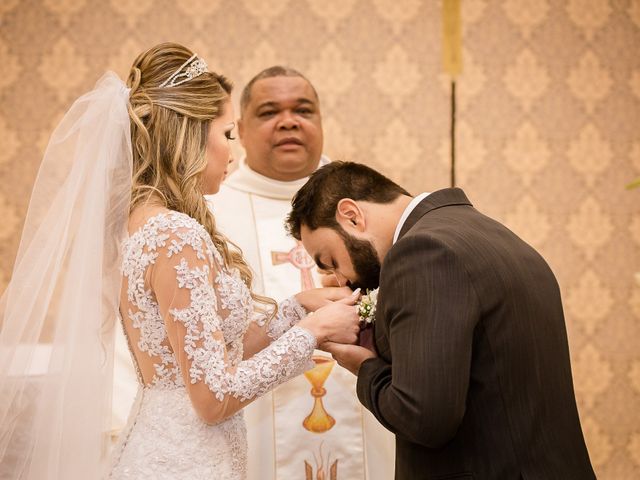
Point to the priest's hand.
(315, 298)
(348, 356)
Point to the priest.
(313, 426)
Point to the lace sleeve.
(290, 312)
(205, 310)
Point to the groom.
(471, 370)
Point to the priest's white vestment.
(313, 424)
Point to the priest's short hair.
(273, 71)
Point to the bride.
(118, 205)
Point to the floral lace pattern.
(214, 307)
(289, 313)
(175, 446)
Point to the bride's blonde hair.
(169, 127)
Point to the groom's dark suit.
(473, 374)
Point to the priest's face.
(218, 150)
(354, 261)
(281, 128)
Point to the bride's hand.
(336, 322)
(315, 298)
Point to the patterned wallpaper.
(548, 131)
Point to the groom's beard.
(365, 262)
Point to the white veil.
(59, 309)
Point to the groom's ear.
(350, 216)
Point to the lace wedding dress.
(186, 316)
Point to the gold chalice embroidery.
(319, 421)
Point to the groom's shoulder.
(418, 241)
(438, 225)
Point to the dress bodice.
(168, 235)
(173, 257)
(186, 317)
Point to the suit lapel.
(441, 198)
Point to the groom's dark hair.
(316, 202)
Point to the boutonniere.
(367, 307)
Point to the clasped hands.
(335, 323)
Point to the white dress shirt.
(407, 211)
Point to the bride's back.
(145, 361)
(162, 246)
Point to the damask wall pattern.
(548, 131)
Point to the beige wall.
(549, 131)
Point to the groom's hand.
(348, 356)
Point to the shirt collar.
(407, 211)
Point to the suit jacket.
(473, 374)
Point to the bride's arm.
(267, 327)
(187, 285)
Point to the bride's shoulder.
(173, 220)
(151, 220)
(161, 226)
(168, 232)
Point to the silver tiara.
(195, 66)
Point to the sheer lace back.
(185, 315)
(175, 239)
(187, 318)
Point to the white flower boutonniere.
(367, 307)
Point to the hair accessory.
(195, 66)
